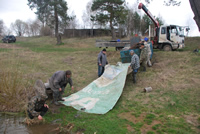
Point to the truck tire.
(167, 48)
(119, 48)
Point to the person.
(58, 82)
(102, 61)
(148, 51)
(135, 64)
(37, 106)
(144, 55)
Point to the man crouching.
(58, 82)
(36, 105)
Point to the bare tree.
(86, 17)
(19, 27)
(72, 23)
(133, 21)
(35, 27)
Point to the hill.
(173, 106)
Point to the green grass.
(173, 106)
(4, 49)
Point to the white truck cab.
(170, 37)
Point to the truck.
(166, 37)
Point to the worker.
(58, 82)
(135, 64)
(37, 106)
(101, 61)
(144, 54)
(148, 51)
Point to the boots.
(144, 69)
(134, 77)
(60, 98)
(55, 101)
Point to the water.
(11, 124)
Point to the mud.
(12, 124)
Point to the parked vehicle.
(9, 39)
(170, 37)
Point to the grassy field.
(172, 107)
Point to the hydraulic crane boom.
(142, 6)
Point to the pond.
(12, 124)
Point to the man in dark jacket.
(58, 82)
(101, 61)
(37, 106)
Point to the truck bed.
(125, 43)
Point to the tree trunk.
(195, 5)
(113, 32)
(58, 36)
(112, 28)
(59, 39)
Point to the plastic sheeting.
(102, 94)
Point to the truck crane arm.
(142, 6)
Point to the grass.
(173, 106)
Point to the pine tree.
(112, 12)
(51, 12)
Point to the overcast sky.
(182, 15)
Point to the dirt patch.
(128, 116)
(145, 128)
(11, 46)
(129, 128)
(195, 80)
(69, 60)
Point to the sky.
(11, 10)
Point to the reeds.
(14, 91)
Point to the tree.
(51, 12)
(20, 27)
(133, 22)
(160, 20)
(87, 15)
(73, 23)
(1, 27)
(112, 12)
(146, 21)
(136, 20)
(35, 27)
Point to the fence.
(86, 32)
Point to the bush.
(14, 91)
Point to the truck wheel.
(167, 48)
(119, 48)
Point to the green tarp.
(101, 95)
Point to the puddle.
(11, 124)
